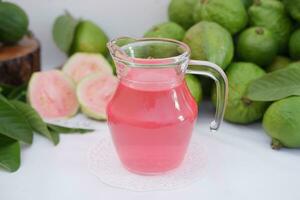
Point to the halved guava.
(94, 92)
(52, 94)
(81, 65)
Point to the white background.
(241, 164)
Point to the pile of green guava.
(248, 39)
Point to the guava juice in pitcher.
(152, 113)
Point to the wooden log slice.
(19, 61)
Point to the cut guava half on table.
(94, 92)
(81, 65)
(52, 94)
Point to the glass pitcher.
(152, 113)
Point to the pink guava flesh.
(81, 65)
(52, 95)
(95, 92)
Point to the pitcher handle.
(217, 74)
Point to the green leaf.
(276, 85)
(34, 120)
(54, 136)
(6, 89)
(14, 92)
(18, 93)
(13, 123)
(9, 154)
(63, 129)
(63, 31)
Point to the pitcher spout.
(115, 46)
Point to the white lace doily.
(104, 163)
(78, 121)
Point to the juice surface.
(151, 126)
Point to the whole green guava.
(282, 122)
(210, 41)
(257, 45)
(194, 86)
(240, 109)
(231, 14)
(166, 30)
(89, 38)
(293, 7)
(181, 12)
(279, 62)
(13, 23)
(294, 45)
(272, 15)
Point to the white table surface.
(241, 164)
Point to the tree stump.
(19, 61)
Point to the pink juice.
(151, 122)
